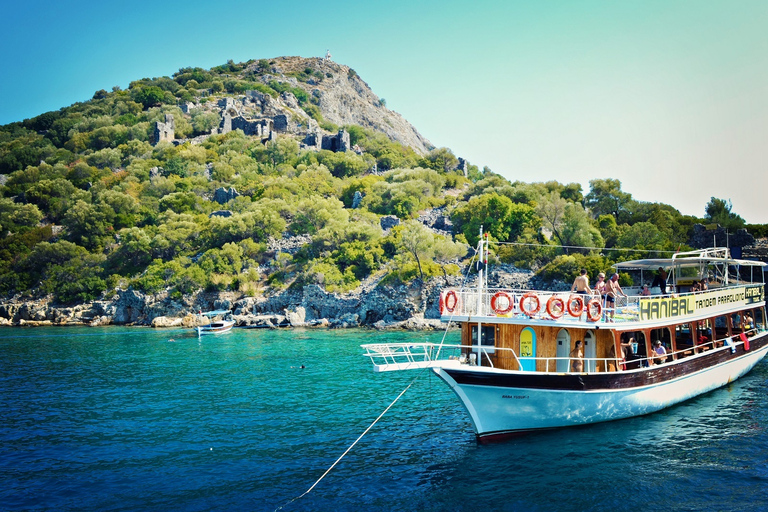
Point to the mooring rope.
(352, 445)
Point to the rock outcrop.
(412, 306)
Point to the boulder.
(164, 321)
(297, 317)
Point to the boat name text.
(665, 307)
(516, 397)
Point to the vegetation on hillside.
(88, 204)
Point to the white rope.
(620, 249)
(353, 444)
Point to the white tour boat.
(525, 373)
(219, 322)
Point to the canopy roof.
(690, 259)
(215, 313)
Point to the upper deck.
(545, 307)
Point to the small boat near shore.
(531, 360)
(219, 322)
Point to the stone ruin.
(266, 126)
(339, 142)
(223, 195)
(165, 131)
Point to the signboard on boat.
(713, 302)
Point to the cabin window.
(633, 348)
(747, 322)
(723, 327)
(684, 338)
(487, 335)
(760, 319)
(665, 336)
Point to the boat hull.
(506, 403)
(215, 328)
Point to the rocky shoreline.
(414, 306)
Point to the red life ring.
(447, 303)
(537, 303)
(579, 309)
(594, 310)
(555, 307)
(495, 304)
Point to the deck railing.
(403, 356)
(546, 305)
(497, 302)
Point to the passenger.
(696, 286)
(704, 285)
(612, 361)
(600, 285)
(581, 283)
(646, 291)
(661, 280)
(660, 351)
(613, 290)
(628, 347)
(577, 358)
(746, 322)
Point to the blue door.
(528, 349)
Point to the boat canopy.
(690, 259)
(215, 313)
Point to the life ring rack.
(594, 310)
(555, 307)
(449, 302)
(578, 309)
(495, 303)
(530, 296)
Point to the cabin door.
(528, 349)
(563, 350)
(590, 351)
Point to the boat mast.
(480, 285)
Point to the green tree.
(578, 231)
(718, 211)
(498, 215)
(605, 197)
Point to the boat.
(517, 368)
(219, 322)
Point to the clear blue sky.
(670, 97)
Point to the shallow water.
(140, 419)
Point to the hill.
(278, 185)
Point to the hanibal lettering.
(663, 308)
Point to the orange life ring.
(535, 309)
(555, 307)
(594, 315)
(575, 311)
(495, 305)
(447, 303)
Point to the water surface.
(140, 419)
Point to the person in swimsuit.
(577, 358)
(613, 290)
(581, 283)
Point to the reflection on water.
(123, 420)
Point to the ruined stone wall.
(165, 131)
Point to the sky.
(669, 97)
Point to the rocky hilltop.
(344, 98)
(318, 93)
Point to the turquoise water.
(140, 419)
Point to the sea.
(134, 419)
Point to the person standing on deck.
(613, 290)
(661, 280)
(577, 358)
(600, 284)
(581, 283)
